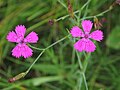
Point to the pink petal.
(17, 51)
(31, 38)
(89, 46)
(76, 32)
(84, 45)
(87, 25)
(26, 51)
(22, 50)
(20, 31)
(12, 37)
(80, 45)
(97, 35)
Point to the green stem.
(86, 62)
(79, 15)
(100, 14)
(43, 50)
(82, 71)
(77, 11)
(87, 3)
(57, 41)
(83, 74)
(62, 4)
(63, 17)
(79, 60)
(34, 62)
(35, 47)
(73, 55)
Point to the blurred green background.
(55, 70)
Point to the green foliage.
(57, 68)
(113, 39)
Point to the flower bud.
(19, 76)
(70, 10)
(97, 24)
(117, 2)
(51, 22)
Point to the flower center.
(22, 41)
(86, 36)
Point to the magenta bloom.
(85, 44)
(21, 48)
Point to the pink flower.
(85, 44)
(118, 2)
(21, 49)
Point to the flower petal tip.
(97, 35)
(87, 25)
(31, 38)
(76, 31)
